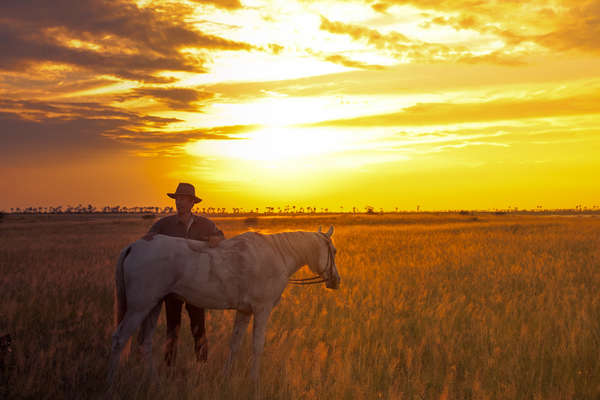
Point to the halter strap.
(316, 278)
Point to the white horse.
(247, 273)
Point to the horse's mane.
(300, 245)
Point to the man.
(185, 224)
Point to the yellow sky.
(391, 103)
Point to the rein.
(313, 279)
(307, 281)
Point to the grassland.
(431, 306)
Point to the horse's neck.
(294, 245)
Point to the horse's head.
(326, 260)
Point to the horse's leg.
(239, 330)
(261, 316)
(138, 350)
(119, 339)
(148, 327)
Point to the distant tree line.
(90, 209)
(285, 210)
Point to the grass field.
(431, 307)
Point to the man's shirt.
(199, 229)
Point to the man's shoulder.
(166, 220)
(202, 220)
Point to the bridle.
(317, 278)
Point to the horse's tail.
(120, 295)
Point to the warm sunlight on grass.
(431, 306)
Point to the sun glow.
(271, 145)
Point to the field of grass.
(431, 307)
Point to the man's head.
(184, 203)
(185, 198)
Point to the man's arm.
(215, 237)
(213, 241)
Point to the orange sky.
(441, 104)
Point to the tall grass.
(430, 307)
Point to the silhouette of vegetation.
(290, 210)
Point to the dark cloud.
(54, 137)
(183, 99)
(170, 143)
(34, 129)
(121, 39)
(155, 138)
(45, 85)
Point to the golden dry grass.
(431, 306)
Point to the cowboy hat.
(185, 189)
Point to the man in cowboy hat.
(185, 224)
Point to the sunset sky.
(444, 104)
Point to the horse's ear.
(320, 229)
(330, 231)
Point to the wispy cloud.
(175, 98)
(424, 114)
(346, 61)
(227, 4)
(404, 48)
(558, 25)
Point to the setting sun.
(272, 146)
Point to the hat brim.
(174, 196)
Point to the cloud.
(171, 143)
(275, 48)
(345, 61)
(180, 137)
(560, 25)
(176, 98)
(114, 38)
(33, 129)
(227, 4)
(427, 114)
(423, 78)
(393, 40)
(577, 29)
(403, 48)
